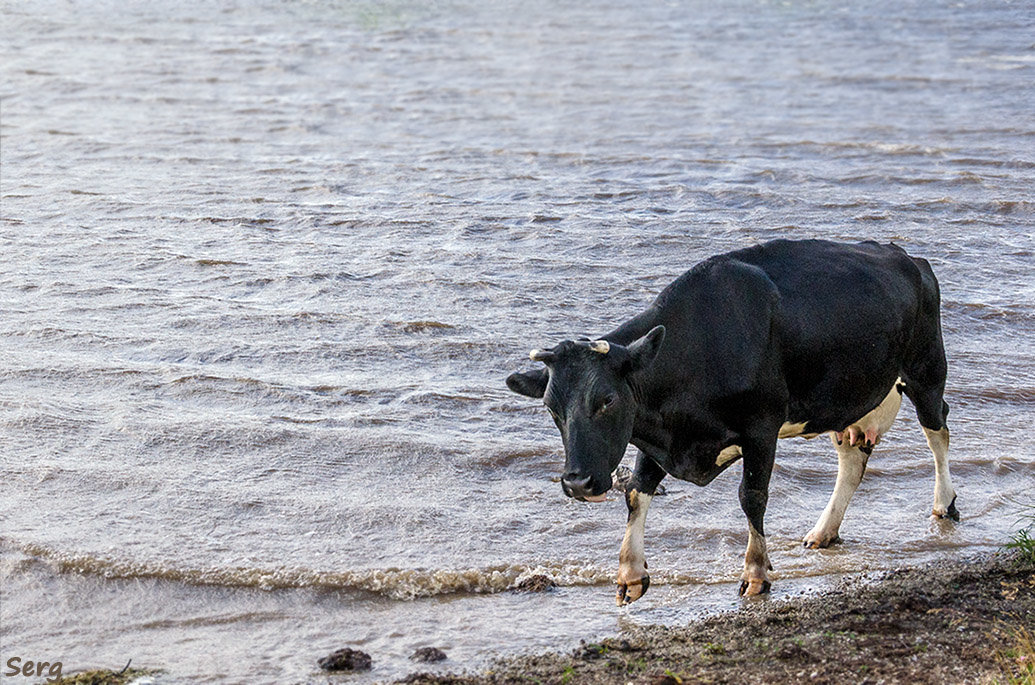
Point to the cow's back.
(848, 315)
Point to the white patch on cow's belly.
(878, 422)
(794, 430)
(791, 430)
(884, 415)
(728, 454)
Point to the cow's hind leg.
(944, 495)
(924, 374)
(633, 580)
(754, 496)
(854, 446)
(931, 411)
(851, 465)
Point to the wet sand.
(968, 621)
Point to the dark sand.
(957, 622)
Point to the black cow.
(789, 338)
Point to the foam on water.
(393, 583)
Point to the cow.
(783, 339)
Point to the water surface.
(265, 267)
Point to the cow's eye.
(606, 403)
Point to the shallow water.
(265, 268)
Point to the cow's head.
(586, 386)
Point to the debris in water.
(346, 659)
(428, 655)
(536, 583)
(621, 477)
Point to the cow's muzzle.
(584, 487)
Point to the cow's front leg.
(754, 495)
(633, 580)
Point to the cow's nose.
(579, 487)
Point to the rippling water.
(265, 267)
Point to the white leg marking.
(755, 580)
(851, 464)
(632, 566)
(944, 495)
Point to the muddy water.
(265, 267)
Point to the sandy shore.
(960, 622)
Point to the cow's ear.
(643, 351)
(530, 383)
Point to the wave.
(393, 583)
(409, 584)
(404, 584)
(1006, 313)
(881, 147)
(1008, 394)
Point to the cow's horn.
(601, 346)
(540, 355)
